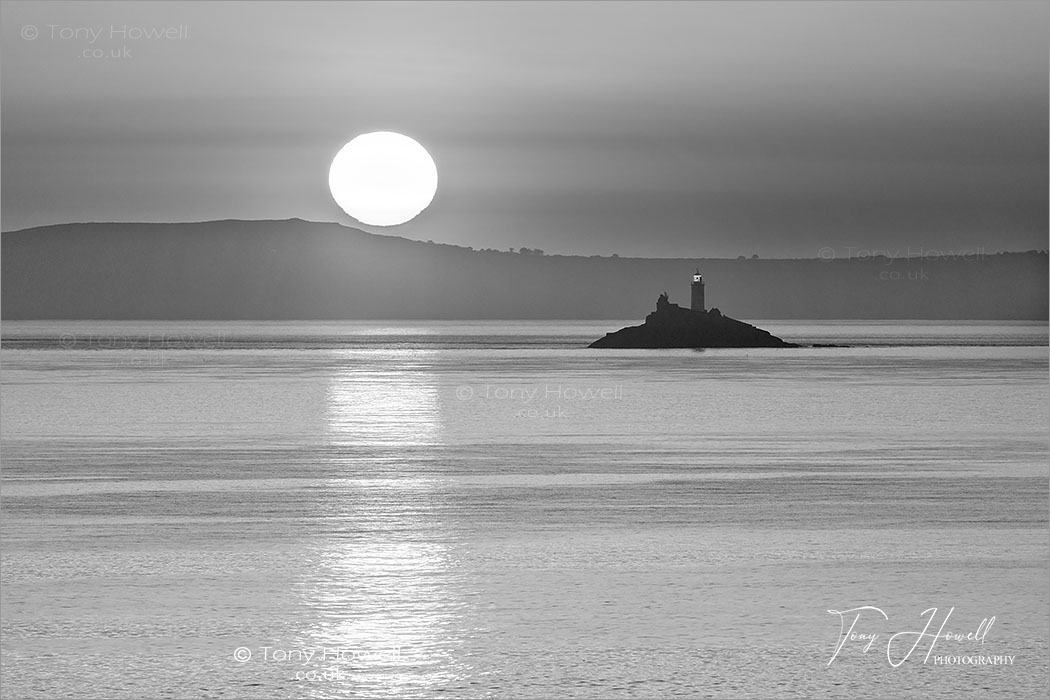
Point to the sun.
(383, 178)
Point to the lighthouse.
(698, 291)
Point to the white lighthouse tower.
(698, 292)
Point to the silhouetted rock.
(672, 326)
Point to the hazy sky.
(651, 129)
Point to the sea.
(491, 509)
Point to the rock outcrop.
(672, 326)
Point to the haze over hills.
(295, 269)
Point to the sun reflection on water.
(384, 593)
(387, 400)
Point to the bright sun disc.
(383, 178)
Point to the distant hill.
(297, 269)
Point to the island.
(672, 326)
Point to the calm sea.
(491, 509)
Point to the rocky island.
(672, 326)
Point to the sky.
(680, 129)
